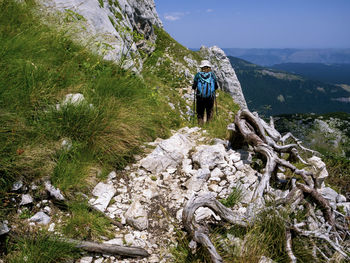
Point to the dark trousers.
(204, 104)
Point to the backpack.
(206, 86)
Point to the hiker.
(205, 84)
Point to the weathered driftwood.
(198, 231)
(108, 248)
(266, 140)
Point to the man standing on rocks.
(205, 85)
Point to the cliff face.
(109, 26)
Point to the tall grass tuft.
(41, 247)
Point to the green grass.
(234, 198)
(40, 247)
(40, 65)
(85, 224)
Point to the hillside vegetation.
(76, 146)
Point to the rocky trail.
(189, 171)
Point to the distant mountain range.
(271, 56)
(272, 92)
(330, 73)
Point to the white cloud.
(210, 10)
(174, 16)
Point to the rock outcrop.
(226, 75)
(107, 26)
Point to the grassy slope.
(39, 66)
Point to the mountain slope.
(329, 73)
(271, 91)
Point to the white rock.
(320, 170)
(51, 227)
(99, 260)
(112, 175)
(4, 229)
(104, 193)
(54, 192)
(17, 185)
(217, 173)
(74, 99)
(86, 260)
(136, 216)
(239, 165)
(209, 155)
(40, 218)
(26, 199)
(129, 239)
(168, 154)
(179, 214)
(47, 209)
(341, 199)
(264, 259)
(328, 193)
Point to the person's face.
(206, 69)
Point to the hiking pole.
(194, 105)
(216, 105)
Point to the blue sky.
(258, 23)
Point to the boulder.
(168, 154)
(209, 156)
(104, 193)
(329, 194)
(136, 216)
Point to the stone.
(17, 185)
(86, 260)
(26, 199)
(209, 155)
(54, 192)
(168, 154)
(51, 227)
(341, 199)
(234, 156)
(99, 260)
(319, 170)
(328, 193)
(104, 193)
(112, 175)
(74, 99)
(227, 78)
(4, 229)
(40, 218)
(136, 216)
(264, 259)
(66, 144)
(239, 165)
(217, 173)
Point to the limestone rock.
(74, 99)
(104, 193)
(226, 75)
(209, 155)
(136, 216)
(40, 218)
(4, 229)
(204, 213)
(86, 260)
(26, 199)
(54, 192)
(17, 186)
(319, 169)
(168, 154)
(329, 194)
